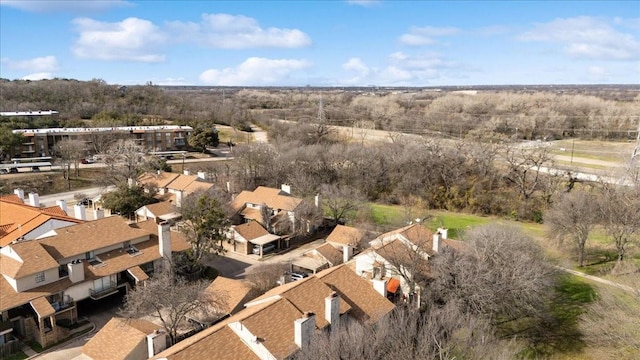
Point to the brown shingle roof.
(42, 307)
(345, 235)
(222, 344)
(34, 259)
(92, 235)
(234, 291)
(273, 198)
(118, 338)
(333, 256)
(158, 180)
(251, 230)
(10, 298)
(306, 295)
(161, 208)
(366, 304)
(181, 182)
(273, 325)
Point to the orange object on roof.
(393, 285)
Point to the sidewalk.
(52, 352)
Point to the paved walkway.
(601, 280)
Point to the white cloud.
(38, 76)
(64, 5)
(255, 71)
(39, 64)
(237, 32)
(131, 39)
(403, 70)
(419, 36)
(586, 37)
(365, 3)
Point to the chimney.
(286, 188)
(444, 233)
(332, 310)
(79, 212)
(186, 172)
(318, 201)
(380, 285)
(164, 240)
(159, 172)
(304, 329)
(98, 214)
(20, 193)
(228, 186)
(63, 205)
(130, 182)
(347, 253)
(437, 238)
(76, 271)
(156, 342)
(202, 175)
(34, 199)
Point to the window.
(40, 277)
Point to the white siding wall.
(29, 282)
(46, 227)
(79, 291)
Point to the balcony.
(98, 294)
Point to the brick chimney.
(332, 310)
(304, 329)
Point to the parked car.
(87, 161)
(35, 169)
(298, 275)
(267, 248)
(13, 171)
(85, 202)
(4, 171)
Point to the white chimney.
(304, 329)
(228, 186)
(34, 199)
(164, 240)
(332, 310)
(186, 172)
(63, 205)
(286, 188)
(130, 182)
(156, 342)
(159, 172)
(76, 271)
(380, 285)
(202, 175)
(437, 238)
(347, 253)
(79, 212)
(318, 201)
(98, 214)
(20, 193)
(444, 232)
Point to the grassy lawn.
(17, 356)
(598, 150)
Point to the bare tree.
(169, 298)
(525, 167)
(125, 159)
(573, 216)
(70, 152)
(341, 201)
(620, 215)
(265, 277)
(502, 276)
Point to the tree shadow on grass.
(558, 332)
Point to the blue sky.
(322, 43)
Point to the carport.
(309, 264)
(264, 240)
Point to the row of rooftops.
(104, 129)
